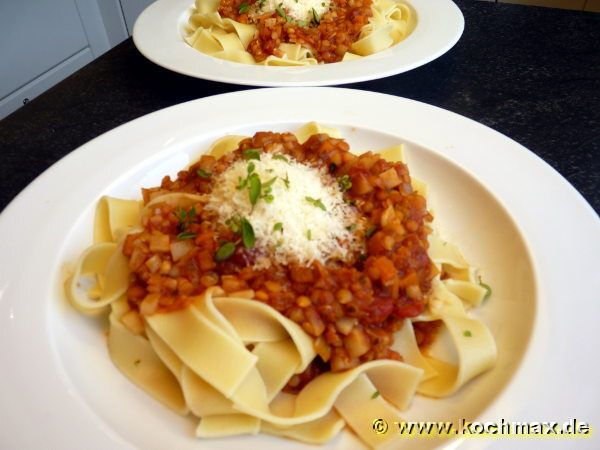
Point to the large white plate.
(534, 237)
(158, 35)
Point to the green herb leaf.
(241, 183)
(467, 333)
(286, 181)
(268, 198)
(244, 7)
(254, 188)
(251, 153)
(309, 235)
(316, 16)
(248, 237)
(487, 288)
(316, 202)
(281, 157)
(345, 183)
(269, 183)
(233, 224)
(203, 173)
(370, 232)
(186, 235)
(375, 394)
(184, 218)
(225, 251)
(250, 168)
(279, 10)
(278, 227)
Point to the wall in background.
(43, 42)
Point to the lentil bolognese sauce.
(351, 301)
(328, 35)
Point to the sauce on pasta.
(351, 308)
(328, 37)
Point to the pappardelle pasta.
(297, 32)
(283, 285)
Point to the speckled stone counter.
(532, 74)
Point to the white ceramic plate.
(158, 35)
(535, 239)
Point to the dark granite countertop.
(532, 74)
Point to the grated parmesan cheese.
(301, 10)
(307, 232)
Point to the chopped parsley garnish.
(233, 224)
(487, 288)
(248, 237)
(316, 202)
(242, 183)
(370, 232)
(316, 17)
(225, 251)
(185, 218)
(286, 181)
(309, 235)
(186, 235)
(269, 183)
(467, 333)
(345, 183)
(203, 173)
(281, 11)
(251, 153)
(278, 227)
(254, 188)
(244, 8)
(281, 157)
(375, 394)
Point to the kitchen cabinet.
(44, 41)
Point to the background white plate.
(158, 35)
(60, 390)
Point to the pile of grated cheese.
(301, 10)
(307, 232)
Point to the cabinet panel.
(132, 9)
(29, 91)
(35, 37)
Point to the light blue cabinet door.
(35, 36)
(132, 9)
